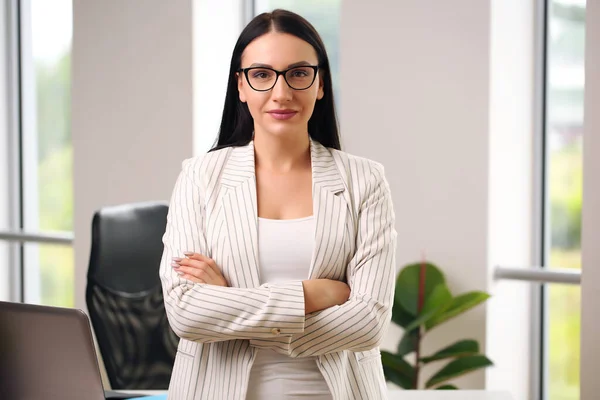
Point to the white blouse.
(285, 249)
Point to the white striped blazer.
(213, 211)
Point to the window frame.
(16, 234)
(540, 274)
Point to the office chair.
(124, 296)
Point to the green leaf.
(446, 387)
(459, 305)
(398, 363)
(459, 349)
(407, 285)
(459, 367)
(393, 376)
(397, 370)
(408, 344)
(439, 300)
(421, 320)
(400, 316)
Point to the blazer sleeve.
(207, 313)
(361, 322)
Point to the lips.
(282, 114)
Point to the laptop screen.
(47, 353)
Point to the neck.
(281, 154)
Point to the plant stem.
(421, 300)
(417, 362)
(422, 275)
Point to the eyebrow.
(297, 64)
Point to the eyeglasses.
(263, 79)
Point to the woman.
(278, 266)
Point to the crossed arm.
(297, 318)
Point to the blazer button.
(275, 331)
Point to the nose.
(281, 91)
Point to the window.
(40, 174)
(324, 15)
(563, 142)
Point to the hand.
(199, 269)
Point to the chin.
(281, 128)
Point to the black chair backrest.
(124, 296)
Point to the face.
(281, 110)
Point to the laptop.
(48, 353)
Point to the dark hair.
(237, 125)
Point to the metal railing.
(530, 274)
(61, 238)
(539, 274)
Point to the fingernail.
(188, 253)
(175, 265)
(179, 273)
(177, 259)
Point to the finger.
(201, 257)
(192, 278)
(201, 265)
(193, 275)
(216, 276)
(195, 272)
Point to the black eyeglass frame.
(277, 73)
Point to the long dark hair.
(237, 125)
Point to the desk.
(142, 392)
(412, 394)
(448, 395)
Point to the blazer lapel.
(241, 215)
(330, 209)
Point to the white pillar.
(590, 295)
(7, 292)
(223, 19)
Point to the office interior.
(484, 114)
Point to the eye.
(261, 74)
(300, 73)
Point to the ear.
(240, 87)
(321, 91)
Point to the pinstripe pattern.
(213, 211)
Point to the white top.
(285, 249)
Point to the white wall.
(131, 107)
(590, 322)
(423, 93)
(415, 90)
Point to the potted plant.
(423, 302)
